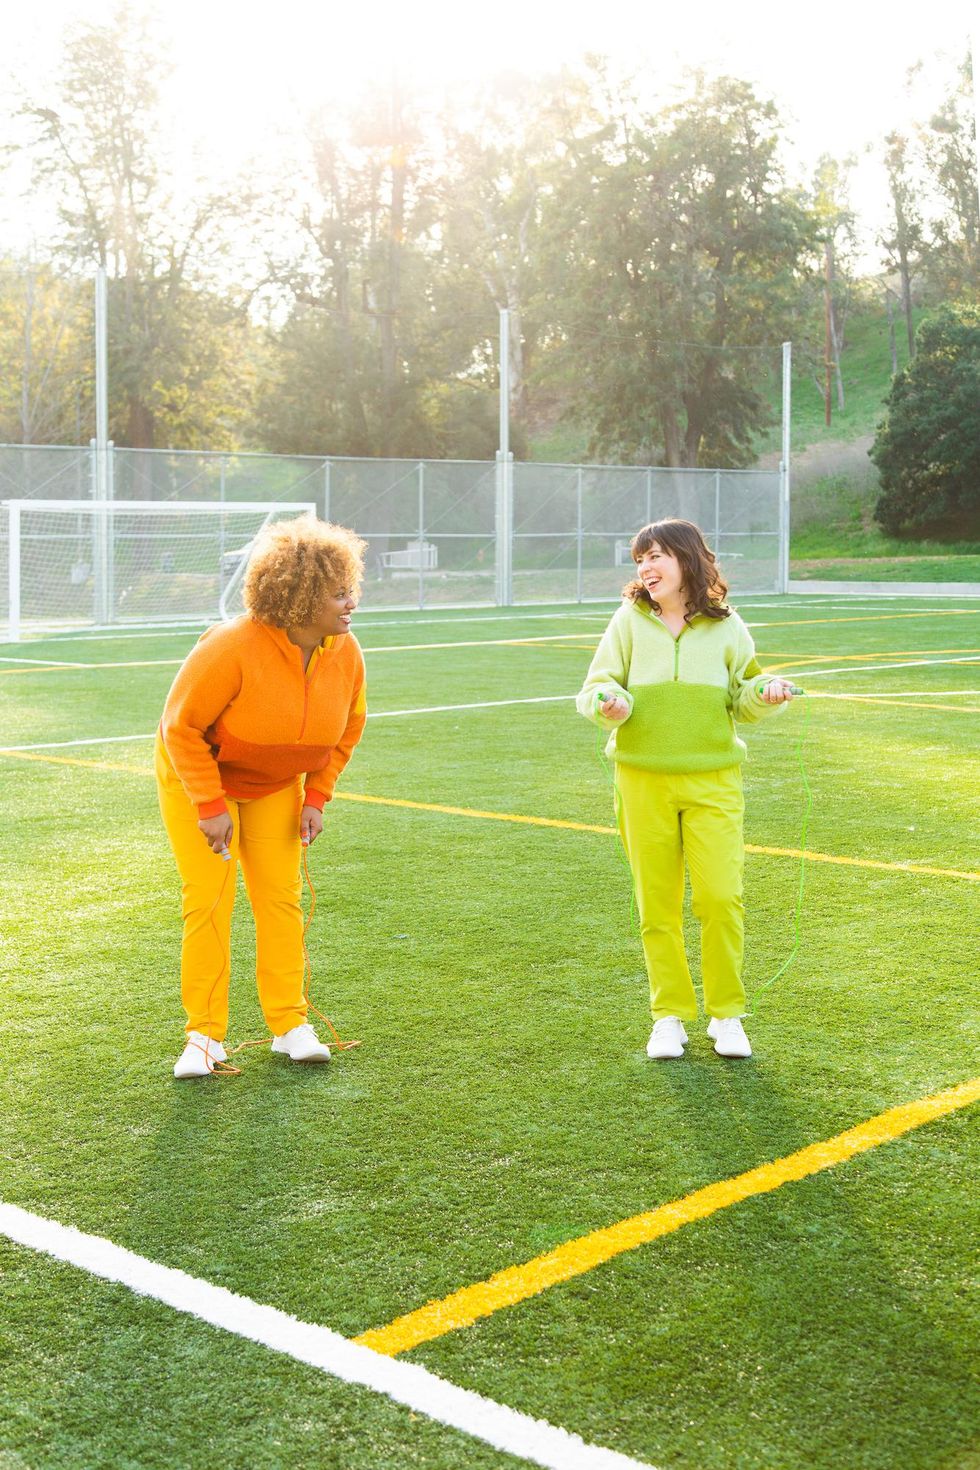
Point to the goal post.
(99, 563)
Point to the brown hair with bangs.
(296, 565)
(704, 588)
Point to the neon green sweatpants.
(665, 818)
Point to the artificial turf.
(501, 1102)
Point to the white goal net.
(98, 563)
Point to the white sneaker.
(199, 1056)
(302, 1045)
(729, 1037)
(667, 1039)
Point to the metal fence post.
(110, 536)
(580, 534)
(326, 489)
(421, 480)
(717, 545)
(649, 495)
(13, 574)
(499, 531)
(783, 582)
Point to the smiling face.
(661, 574)
(333, 619)
(338, 609)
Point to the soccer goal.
(99, 563)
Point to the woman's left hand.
(310, 824)
(777, 691)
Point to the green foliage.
(649, 263)
(45, 348)
(680, 246)
(179, 345)
(928, 446)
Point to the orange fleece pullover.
(243, 719)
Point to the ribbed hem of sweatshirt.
(312, 797)
(206, 809)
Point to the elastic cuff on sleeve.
(312, 797)
(218, 808)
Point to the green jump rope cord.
(798, 915)
(807, 808)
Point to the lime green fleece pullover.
(684, 693)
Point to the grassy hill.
(834, 483)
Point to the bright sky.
(243, 72)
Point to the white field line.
(476, 643)
(54, 663)
(179, 630)
(385, 714)
(151, 663)
(91, 740)
(897, 694)
(406, 1383)
(433, 709)
(915, 663)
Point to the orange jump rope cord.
(225, 1068)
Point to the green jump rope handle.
(793, 688)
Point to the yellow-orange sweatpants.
(266, 842)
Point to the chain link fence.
(439, 532)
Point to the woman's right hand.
(218, 831)
(615, 708)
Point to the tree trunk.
(392, 286)
(671, 435)
(891, 333)
(906, 275)
(25, 379)
(139, 424)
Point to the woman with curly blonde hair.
(260, 721)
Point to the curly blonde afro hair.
(296, 565)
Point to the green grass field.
(501, 1103)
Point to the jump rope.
(796, 691)
(225, 1068)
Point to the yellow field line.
(560, 647)
(575, 1257)
(465, 811)
(956, 612)
(144, 663)
(960, 709)
(829, 658)
(73, 760)
(851, 862)
(523, 820)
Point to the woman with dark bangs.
(261, 720)
(675, 669)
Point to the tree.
(949, 149)
(175, 339)
(927, 448)
(905, 243)
(387, 349)
(683, 253)
(835, 219)
(352, 353)
(45, 346)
